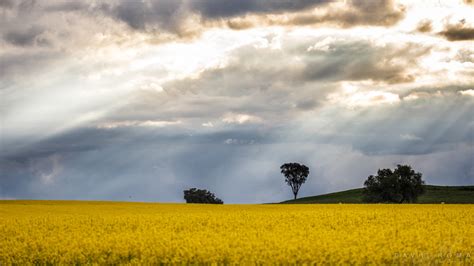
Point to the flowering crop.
(66, 232)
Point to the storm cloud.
(241, 163)
(139, 100)
(219, 9)
(174, 19)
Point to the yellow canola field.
(67, 232)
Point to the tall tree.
(295, 175)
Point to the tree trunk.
(295, 195)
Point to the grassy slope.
(433, 194)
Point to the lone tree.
(194, 195)
(400, 185)
(295, 175)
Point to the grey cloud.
(289, 81)
(68, 6)
(79, 140)
(361, 60)
(21, 5)
(237, 88)
(151, 165)
(155, 16)
(168, 14)
(169, 19)
(287, 88)
(26, 37)
(341, 146)
(353, 13)
(7, 3)
(383, 13)
(108, 170)
(424, 26)
(52, 25)
(15, 66)
(27, 5)
(275, 70)
(437, 124)
(231, 8)
(133, 13)
(458, 32)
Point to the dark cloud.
(227, 128)
(445, 124)
(211, 9)
(153, 16)
(318, 59)
(133, 13)
(7, 3)
(68, 6)
(294, 79)
(170, 15)
(26, 37)
(240, 163)
(93, 160)
(458, 32)
(157, 164)
(351, 14)
(171, 19)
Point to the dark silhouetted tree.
(295, 175)
(194, 195)
(400, 185)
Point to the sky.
(140, 100)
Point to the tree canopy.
(400, 185)
(194, 195)
(295, 175)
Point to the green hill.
(433, 194)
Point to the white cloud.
(410, 137)
(323, 45)
(364, 99)
(231, 141)
(208, 124)
(232, 118)
(136, 123)
(469, 92)
(238, 141)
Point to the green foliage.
(194, 195)
(295, 175)
(401, 185)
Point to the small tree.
(194, 195)
(400, 185)
(295, 175)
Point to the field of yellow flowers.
(68, 232)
